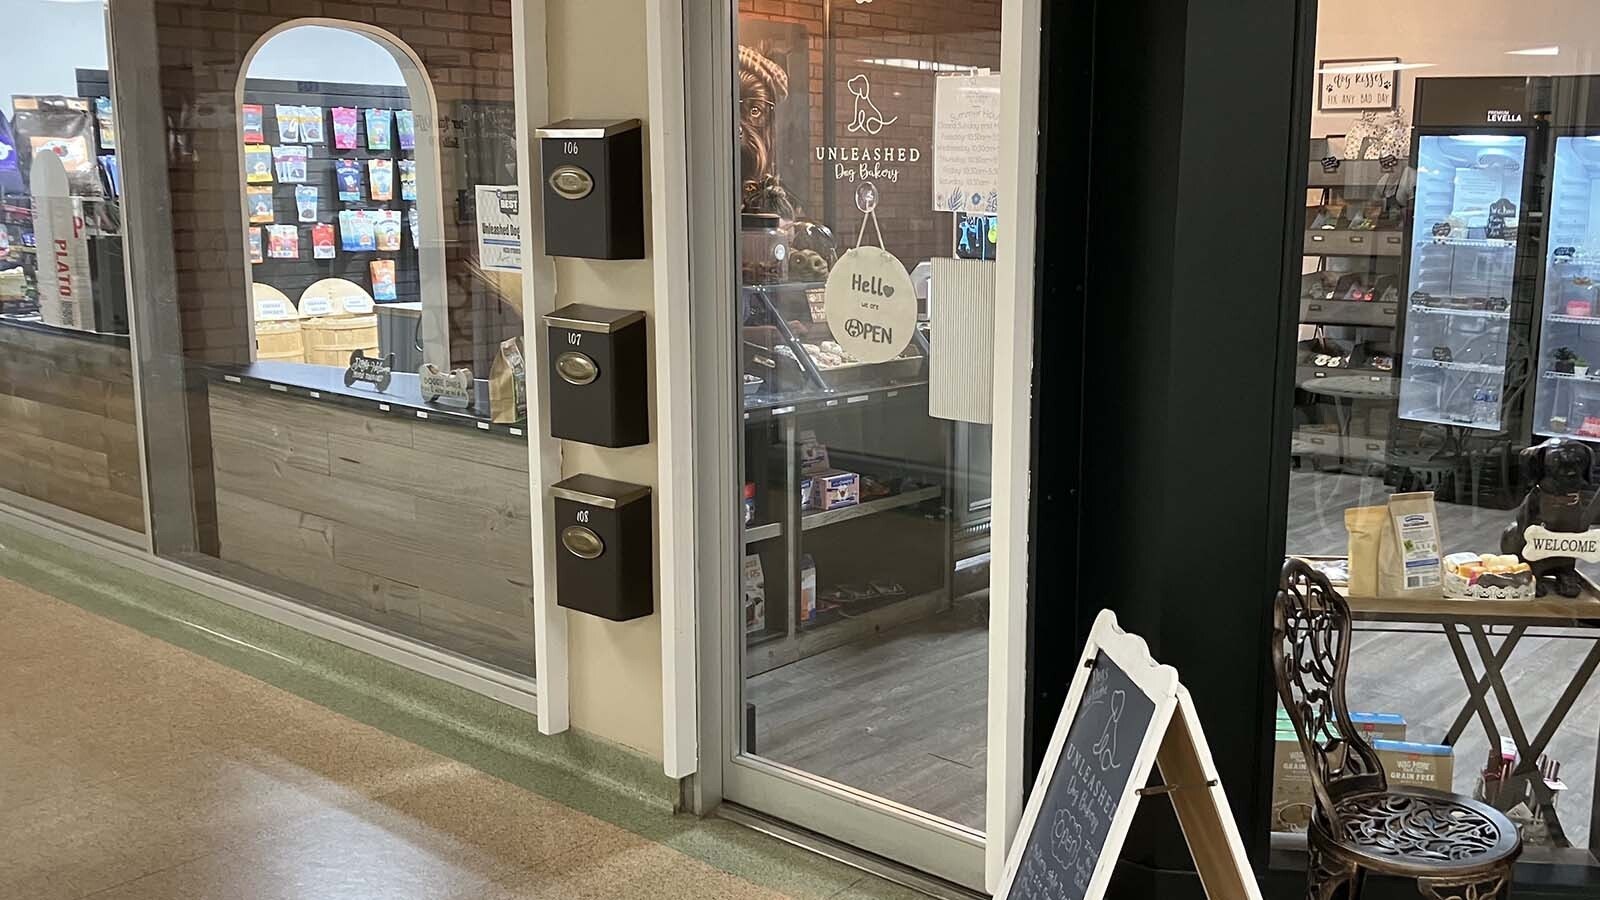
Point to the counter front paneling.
(413, 524)
(67, 416)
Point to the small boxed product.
(1291, 784)
(836, 489)
(1373, 726)
(755, 594)
(1412, 765)
(808, 494)
(808, 588)
(813, 454)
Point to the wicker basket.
(330, 339)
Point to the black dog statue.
(1559, 500)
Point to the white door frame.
(693, 171)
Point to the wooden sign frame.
(1175, 744)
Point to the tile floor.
(131, 769)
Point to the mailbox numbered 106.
(593, 188)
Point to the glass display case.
(1567, 402)
(1463, 265)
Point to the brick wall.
(950, 32)
(465, 48)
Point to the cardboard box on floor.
(1291, 782)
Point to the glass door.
(869, 221)
(1567, 402)
(1463, 266)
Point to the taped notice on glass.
(499, 235)
(966, 144)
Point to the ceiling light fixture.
(1371, 67)
(1536, 51)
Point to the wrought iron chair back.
(1310, 657)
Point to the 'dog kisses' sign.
(870, 304)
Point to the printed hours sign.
(870, 304)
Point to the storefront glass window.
(66, 377)
(347, 343)
(1449, 332)
(867, 241)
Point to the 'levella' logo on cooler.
(1504, 116)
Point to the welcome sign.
(1545, 544)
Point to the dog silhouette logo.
(868, 117)
(1106, 750)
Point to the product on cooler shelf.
(305, 201)
(405, 126)
(344, 127)
(408, 179)
(283, 242)
(259, 200)
(415, 220)
(311, 131)
(377, 129)
(348, 172)
(291, 164)
(381, 172)
(251, 115)
(322, 246)
(383, 287)
(255, 244)
(813, 454)
(258, 163)
(288, 122)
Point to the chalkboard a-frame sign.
(1125, 715)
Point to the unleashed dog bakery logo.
(1544, 544)
(871, 304)
(873, 162)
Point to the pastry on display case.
(1487, 577)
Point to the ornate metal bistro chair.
(1455, 848)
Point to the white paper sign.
(499, 235)
(870, 304)
(1544, 544)
(966, 144)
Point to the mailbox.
(593, 173)
(599, 386)
(604, 547)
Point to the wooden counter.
(414, 525)
(67, 433)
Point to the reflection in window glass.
(353, 371)
(66, 380)
(867, 237)
(1449, 326)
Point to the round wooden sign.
(870, 304)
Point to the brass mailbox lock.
(576, 368)
(582, 542)
(571, 182)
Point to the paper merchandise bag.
(1409, 560)
(508, 385)
(1365, 526)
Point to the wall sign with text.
(966, 144)
(1357, 85)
